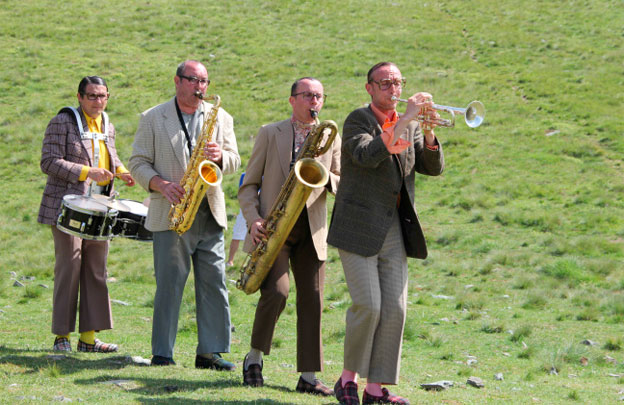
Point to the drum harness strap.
(96, 137)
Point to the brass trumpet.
(473, 114)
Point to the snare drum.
(131, 221)
(84, 217)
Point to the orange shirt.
(387, 122)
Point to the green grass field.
(525, 227)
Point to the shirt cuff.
(433, 148)
(121, 169)
(83, 173)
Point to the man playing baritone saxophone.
(375, 228)
(273, 155)
(162, 148)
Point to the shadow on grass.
(152, 390)
(160, 390)
(66, 364)
(175, 400)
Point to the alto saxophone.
(199, 175)
(306, 175)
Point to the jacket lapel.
(285, 135)
(175, 133)
(403, 155)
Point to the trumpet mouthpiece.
(199, 95)
(314, 113)
(395, 98)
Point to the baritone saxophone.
(306, 175)
(200, 174)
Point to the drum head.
(111, 202)
(83, 203)
(134, 206)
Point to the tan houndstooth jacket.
(158, 150)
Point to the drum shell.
(83, 222)
(131, 223)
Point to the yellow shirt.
(95, 125)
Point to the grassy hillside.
(525, 227)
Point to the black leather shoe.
(162, 361)
(215, 363)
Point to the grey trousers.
(203, 246)
(375, 320)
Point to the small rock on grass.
(475, 382)
(437, 386)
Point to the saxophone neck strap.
(186, 133)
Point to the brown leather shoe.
(252, 376)
(318, 388)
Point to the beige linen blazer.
(267, 171)
(158, 150)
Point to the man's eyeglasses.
(93, 97)
(309, 96)
(194, 80)
(384, 84)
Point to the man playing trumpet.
(375, 228)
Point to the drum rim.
(123, 201)
(110, 211)
(82, 236)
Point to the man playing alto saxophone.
(162, 148)
(275, 150)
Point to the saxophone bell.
(199, 95)
(210, 173)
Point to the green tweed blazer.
(371, 182)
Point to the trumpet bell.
(475, 112)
